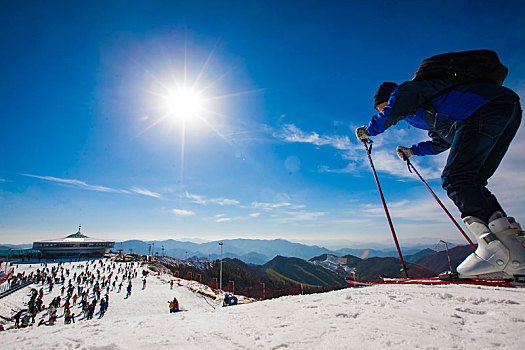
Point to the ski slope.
(376, 317)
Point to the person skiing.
(102, 308)
(91, 309)
(17, 317)
(85, 306)
(129, 290)
(477, 122)
(67, 316)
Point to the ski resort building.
(74, 245)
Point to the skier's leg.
(500, 148)
(504, 228)
(479, 145)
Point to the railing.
(7, 289)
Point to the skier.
(25, 321)
(85, 306)
(91, 309)
(477, 122)
(17, 317)
(174, 305)
(102, 308)
(171, 284)
(67, 316)
(144, 283)
(67, 304)
(129, 290)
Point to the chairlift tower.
(220, 279)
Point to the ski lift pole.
(448, 255)
(409, 164)
(368, 151)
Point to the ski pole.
(409, 164)
(368, 151)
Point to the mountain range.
(253, 251)
(326, 270)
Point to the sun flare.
(184, 104)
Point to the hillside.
(349, 260)
(297, 270)
(414, 258)
(438, 261)
(378, 317)
(279, 273)
(371, 269)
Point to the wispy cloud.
(222, 219)
(199, 199)
(182, 212)
(350, 168)
(146, 192)
(291, 133)
(78, 183)
(383, 155)
(298, 216)
(426, 210)
(270, 206)
(353, 221)
(224, 201)
(98, 188)
(254, 215)
(196, 198)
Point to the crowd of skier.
(83, 286)
(77, 291)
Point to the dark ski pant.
(478, 147)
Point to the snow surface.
(376, 317)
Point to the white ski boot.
(509, 232)
(491, 256)
(500, 252)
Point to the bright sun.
(184, 104)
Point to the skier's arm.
(404, 101)
(436, 146)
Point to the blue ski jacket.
(413, 102)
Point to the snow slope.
(383, 316)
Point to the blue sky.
(86, 137)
